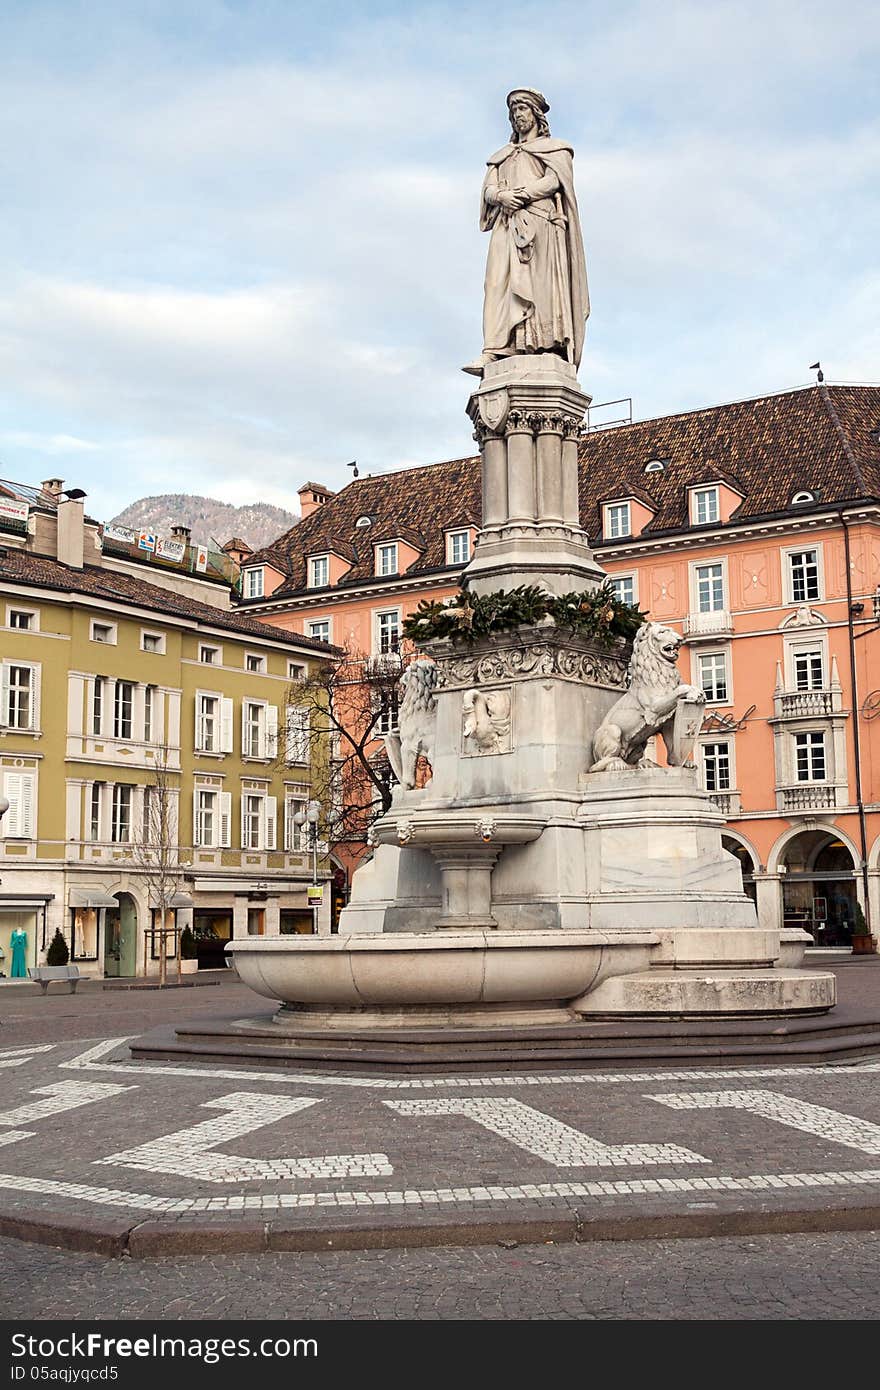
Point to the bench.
(45, 974)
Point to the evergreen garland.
(465, 617)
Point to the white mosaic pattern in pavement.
(785, 1110)
(546, 1137)
(423, 1197)
(61, 1096)
(17, 1056)
(190, 1152)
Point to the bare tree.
(156, 849)
(336, 716)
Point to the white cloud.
(242, 251)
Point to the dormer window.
(655, 465)
(319, 571)
(704, 505)
(618, 522)
(253, 583)
(458, 547)
(801, 497)
(386, 558)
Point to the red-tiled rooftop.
(39, 571)
(818, 439)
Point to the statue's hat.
(531, 95)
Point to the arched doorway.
(746, 863)
(819, 887)
(120, 937)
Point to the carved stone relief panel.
(487, 721)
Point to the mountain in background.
(208, 519)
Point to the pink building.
(754, 529)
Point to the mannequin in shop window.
(18, 942)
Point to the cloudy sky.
(239, 241)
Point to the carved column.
(569, 465)
(466, 884)
(495, 497)
(527, 414)
(549, 429)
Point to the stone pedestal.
(527, 416)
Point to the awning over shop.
(30, 903)
(90, 897)
(182, 900)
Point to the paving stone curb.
(117, 1237)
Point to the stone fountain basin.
(440, 968)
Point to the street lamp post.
(310, 817)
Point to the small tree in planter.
(58, 953)
(189, 956)
(863, 943)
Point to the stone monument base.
(502, 979)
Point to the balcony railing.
(809, 797)
(728, 803)
(807, 703)
(712, 624)
(383, 665)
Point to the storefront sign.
(12, 509)
(315, 893)
(171, 550)
(120, 533)
(201, 558)
(146, 540)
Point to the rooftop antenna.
(817, 367)
(353, 466)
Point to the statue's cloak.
(558, 157)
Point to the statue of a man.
(536, 297)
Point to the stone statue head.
(527, 109)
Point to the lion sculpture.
(654, 692)
(416, 721)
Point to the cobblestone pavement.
(156, 1158)
(822, 1277)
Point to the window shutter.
(11, 821)
(244, 747)
(289, 826)
(225, 725)
(271, 731)
(298, 722)
(196, 837)
(18, 823)
(200, 723)
(28, 806)
(225, 819)
(35, 696)
(270, 812)
(4, 697)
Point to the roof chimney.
(52, 487)
(312, 496)
(71, 528)
(181, 533)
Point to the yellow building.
(115, 691)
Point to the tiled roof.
(819, 438)
(768, 449)
(421, 503)
(21, 567)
